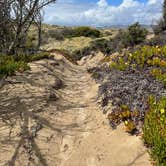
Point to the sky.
(103, 12)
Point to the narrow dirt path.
(58, 121)
(98, 145)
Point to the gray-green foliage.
(86, 31)
(134, 35)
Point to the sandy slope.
(51, 117)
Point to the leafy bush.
(78, 54)
(102, 45)
(86, 31)
(55, 34)
(108, 46)
(134, 35)
(61, 34)
(96, 45)
(154, 130)
(10, 64)
(67, 32)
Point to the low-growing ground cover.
(154, 129)
(149, 59)
(128, 81)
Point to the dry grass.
(70, 45)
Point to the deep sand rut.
(50, 116)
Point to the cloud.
(153, 2)
(102, 3)
(70, 12)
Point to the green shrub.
(67, 32)
(120, 64)
(86, 31)
(134, 35)
(159, 75)
(121, 40)
(78, 54)
(154, 130)
(108, 46)
(32, 57)
(10, 64)
(38, 56)
(102, 45)
(55, 34)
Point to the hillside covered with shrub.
(132, 87)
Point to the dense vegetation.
(67, 32)
(154, 129)
(151, 60)
(128, 81)
(124, 39)
(10, 64)
(86, 31)
(17, 45)
(133, 81)
(134, 35)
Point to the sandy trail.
(58, 100)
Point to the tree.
(161, 25)
(5, 25)
(17, 17)
(135, 34)
(38, 22)
(164, 13)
